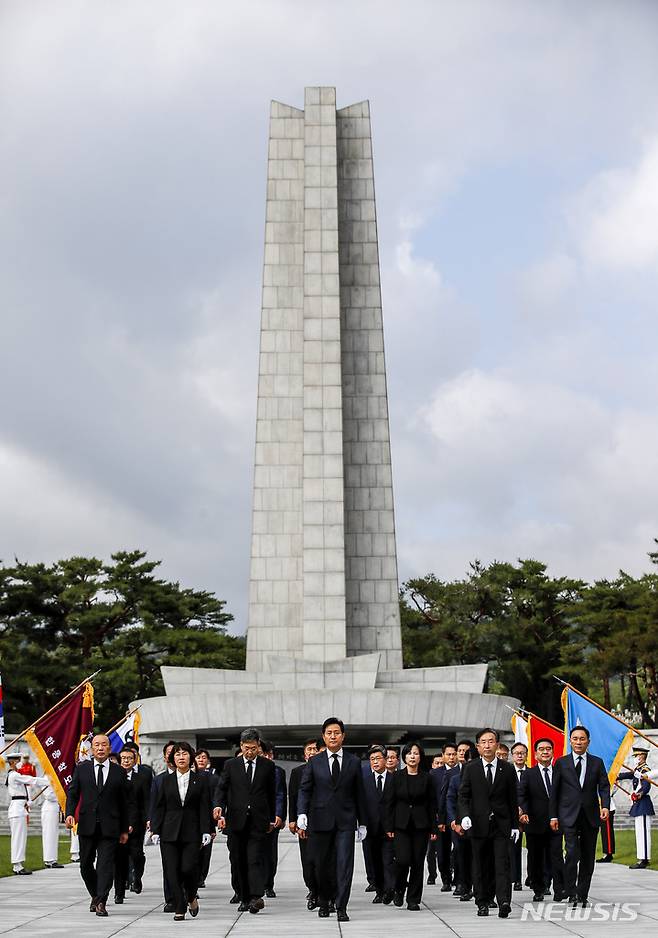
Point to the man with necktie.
(544, 844)
(580, 799)
(519, 753)
(332, 807)
(308, 867)
(132, 852)
(101, 789)
(245, 804)
(376, 780)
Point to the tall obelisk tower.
(323, 583)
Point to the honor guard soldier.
(19, 787)
(47, 799)
(642, 809)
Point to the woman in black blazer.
(410, 820)
(183, 823)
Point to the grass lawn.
(34, 858)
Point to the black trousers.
(608, 835)
(204, 862)
(248, 848)
(410, 846)
(271, 858)
(180, 861)
(545, 853)
(132, 852)
(333, 856)
(491, 869)
(580, 849)
(308, 867)
(97, 855)
(438, 857)
(463, 862)
(515, 856)
(382, 855)
(367, 861)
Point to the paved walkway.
(54, 902)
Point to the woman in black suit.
(183, 823)
(411, 821)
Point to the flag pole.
(614, 717)
(122, 720)
(48, 712)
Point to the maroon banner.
(57, 737)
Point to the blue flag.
(610, 739)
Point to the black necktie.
(380, 785)
(547, 779)
(99, 780)
(250, 772)
(335, 769)
(579, 768)
(489, 775)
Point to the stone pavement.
(54, 903)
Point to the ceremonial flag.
(520, 730)
(541, 729)
(610, 739)
(57, 736)
(125, 732)
(2, 727)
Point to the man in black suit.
(167, 891)
(332, 806)
(580, 781)
(246, 807)
(308, 867)
(519, 753)
(376, 780)
(544, 844)
(488, 812)
(462, 855)
(272, 852)
(132, 852)
(101, 790)
(439, 850)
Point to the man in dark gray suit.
(580, 781)
(332, 806)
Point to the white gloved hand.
(205, 840)
(361, 833)
(302, 822)
(515, 834)
(637, 774)
(466, 823)
(155, 839)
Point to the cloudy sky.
(516, 162)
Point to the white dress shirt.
(543, 774)
(330, 757)
(381, 775)
(183, 779)
(106, 770)
(583, 768)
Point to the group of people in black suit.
(468, 812)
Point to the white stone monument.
(323, 602)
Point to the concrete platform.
(54, 903)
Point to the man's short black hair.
(131, 744)
(465, 742)
(516, 746)
(487, 729)
(170, 742)
(376, 748)
(579, 727)
(129, 749)
(330, 721)
(449, 746)
(250, 735)
(393, 749)
(267, 746)
(544, 739)
(310, 742)
(205, 752)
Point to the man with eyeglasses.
(544, 844)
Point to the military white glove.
(361, 833)
(205, 840)
(155, 839)
(302, 822)
(466, 823)
(515, 834)
(638, 774)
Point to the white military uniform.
(19, 788)
(49, 822)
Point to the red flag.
(56, 738)
(540, 729)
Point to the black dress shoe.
(54, 866)
(504, 910)
(573, 900)
(371, 887)
(538, 897)
(179, 917)
(169, 907)
(270, 894)
(101, 911)
(118, 900)
(492, 904)
(312, 903)
(517, 887)
(640, 865)
(483, 910)
(446, 887)
(193, 908)
(466, 897)
(92, 905)
(387, 898)
(235, 899)
(332, 907)
(378, 900)
(431, 880)
(558, 896)
(398, 899)
(137, 887)
(22, 872)
(342, 916)
(413, 907)
(606, 859)
(243, 907)
(323, 911)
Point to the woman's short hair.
(406, 749)
(181, 747)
